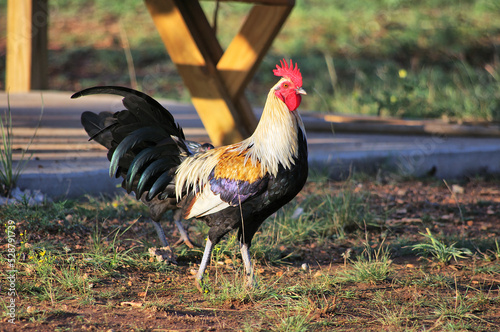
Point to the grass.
(440, 251)
(370, 266)
(10, 170)
(96, 261)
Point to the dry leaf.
(132, 304)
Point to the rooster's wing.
(233, 181)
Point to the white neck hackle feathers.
(274, 142)
(275, 139)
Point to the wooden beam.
(243, 56)
(212, 51)
(26, 63)
(39, 45)
(217, 79)
(212, 106)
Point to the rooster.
(230, 187)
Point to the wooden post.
(26, 64)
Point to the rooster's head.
(289, 88)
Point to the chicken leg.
(203, 265)
(245, 255)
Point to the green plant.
(370, 266)
(455, 310)
(293, 316)
(334, 213)
(345, 211)
(441, 252)
(74, 279)
(110, 255)
(396, 317)
(496, 252)
(9, 174)
(225, 289)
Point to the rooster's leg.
(245, 255)
(165, 252)
(161, 233)
(203, 264)
(184, 235)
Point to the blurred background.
(398, 58)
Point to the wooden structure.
(215, 78)
(27, 57)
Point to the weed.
(496, 251)
(336, 214)
(456, 309)
(345, 211)
(9, 174)
(292, 316)
(431, 280)
(226, 289)
(370, 266)
(396, 318)
(109, 254)
(74, 280)
(491, 269)
(441, 252)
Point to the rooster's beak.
(301, 91)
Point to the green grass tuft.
(370, 266)
(10, 170)
(441, 252)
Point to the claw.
(199, 285)
(184, 235)
(187, 242)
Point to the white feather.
(206, 202)
(275, 140)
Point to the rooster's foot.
(187, 241)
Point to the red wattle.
(293, 101)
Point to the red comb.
(288, 71)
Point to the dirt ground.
(129, 298)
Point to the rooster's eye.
(285, 85)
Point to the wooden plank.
(243, 56)
(201, 29)
(18, 62)
(202, 32)
(212, 106)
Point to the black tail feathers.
(145, 143)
